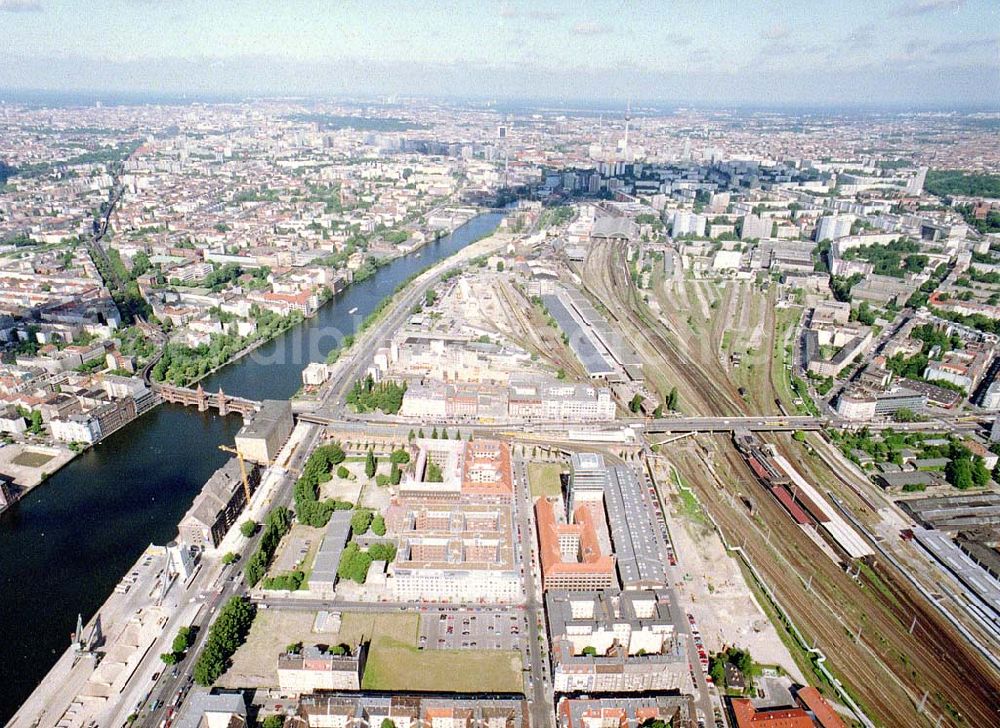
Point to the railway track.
(615, 290)
(861, 623)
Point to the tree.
(229, 558)
(980, 473)
(370, 464)
(378, 525)
(400, 457)
(636, 404)
(411, 435)
(433, 473)
(589, 651)
(169, 658)
(387, 723)
(717, 670)
(673, 401)
(248, 528)
(343, 473)
(395, 474)
(140, 263)
(183, 640)
(434, 433)
(658, 412)
(228, 632)
(360, 521)
(273, 721)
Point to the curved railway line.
(713, 396)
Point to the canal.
(68, 542)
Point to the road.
(217, 585)
(539, 691)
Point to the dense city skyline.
(918, 54)
(511, 364)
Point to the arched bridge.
(203, 400)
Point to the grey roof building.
(324, 571)
(615, 642)
(202, 709)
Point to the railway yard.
(894, 653)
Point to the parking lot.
(472, 629)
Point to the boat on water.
(353, 310)
(418, 255)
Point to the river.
(67, 543)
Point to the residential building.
(347, 709)
(687, 223)
(615, 642)
(625, 712)
(834, 227)
(315, 667)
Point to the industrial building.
(576, 555)
(262, 437)
(218, 505)
(811, 711)
(603, 351)
(954, 513)
(638, 551)
(615, 642)
(456, 551)
(323, 577)
(205, 710)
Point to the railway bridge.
(203, 400)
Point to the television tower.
(628, 118)
(502, 132)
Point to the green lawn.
(544, 478)
(31, 459)
(396, 665)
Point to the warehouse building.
(262, 437)
(217, 506)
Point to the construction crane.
(243, 469)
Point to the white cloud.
(679, 39)
(777, 32)
(20, 6)
(922, 7)
(589, 27)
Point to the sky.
(874, 53)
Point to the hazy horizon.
(922, 54)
